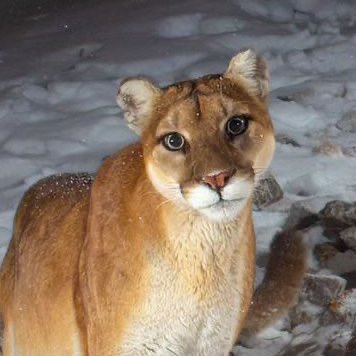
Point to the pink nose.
(218, 181)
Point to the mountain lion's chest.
(182, 320)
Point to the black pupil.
(174, 141)
(236, 126)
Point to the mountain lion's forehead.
(211, 99)
(210, 84)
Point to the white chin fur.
(201, 197)
(224, 210)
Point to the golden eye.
(173, 141)
(236, 125)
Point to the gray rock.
(329, 148)
(304, 313)
(324, 252)
(351, 345)
(342, 262)
(321, 289)
(286, 140)
(305, 348)
(336, 216)
(348, 122)
(317, 293)
(349, 237)
(334, 349)
(349, 151)
(340, 211)
(267, 192)
(301, 216)
(344, 307)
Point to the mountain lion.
(156, 255)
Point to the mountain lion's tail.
(283, 280)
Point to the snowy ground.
(59, 75)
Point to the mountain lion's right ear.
(136, 97)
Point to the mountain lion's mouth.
(223, 203)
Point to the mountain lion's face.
(205, 144)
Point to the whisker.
(166, 201)
(162, 203)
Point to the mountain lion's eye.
(237, 125)
(173, 141)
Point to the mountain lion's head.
(205, 141)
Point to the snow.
(59, 74)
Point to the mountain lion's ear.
(136, 97)
(249, 70)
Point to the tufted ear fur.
(249, 70)
(136, 97)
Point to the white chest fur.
(193, 303)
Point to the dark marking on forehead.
(188, 87)
(207, 85)
(195, 97)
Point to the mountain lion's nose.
(219, 180)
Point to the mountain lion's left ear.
(249, 70)
(136, 97)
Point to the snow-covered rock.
(348, 122)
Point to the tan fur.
(135, 263)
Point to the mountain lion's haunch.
(156, 256)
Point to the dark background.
(16, 11)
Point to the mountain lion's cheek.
(265, 153)
(239, 189)
(164, 183)
(171, 165)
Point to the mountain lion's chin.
(224, 210)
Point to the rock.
(300, 216)
(349, 237)
(267, 192)
(340, 212)
(317, 294)
(324, 252)
(286, 140)
(305, 348)
(348, 122)
(286, 98)
(304, 313)
(351, 345)
(334, 349)
(321, 289)
(349, 151)
(350, 278)
(336, 216)
(341, 262)
(344, 307)
(330, 149)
